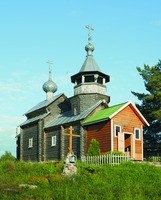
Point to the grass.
(127, 181)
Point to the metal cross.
(71, 135)
(89, 32)
(50, 68)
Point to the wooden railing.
(107, 159)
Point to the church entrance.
(127, 141)
(126, 144)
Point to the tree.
(151, 103)
(7, 156)
(94, 148)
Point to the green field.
(135, 181)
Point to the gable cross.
(89, 32)
(71, 135)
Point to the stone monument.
(70, 161)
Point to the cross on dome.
(89, 33)
(49, 86)
(50, 68)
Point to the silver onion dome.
(89, 48)
(50, 86)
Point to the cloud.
(7, 141)
(18, 75)
(8, 126)
(11, 119)
(9, 87)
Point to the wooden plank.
(121, 142)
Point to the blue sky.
(126, 34)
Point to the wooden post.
(71, 135)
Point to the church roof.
(90, 65)
(43, 104)
(110, 112)
(67, 117)
(103, 114)
(34, 119)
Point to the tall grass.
(127, 181)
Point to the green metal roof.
(103, 114)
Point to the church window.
(117, 130)
(53, 140)
(30, 142)
(79, 80)
(100, 80)
(74, 111)
(89, 78)
(137, 134)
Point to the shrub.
(94, 148)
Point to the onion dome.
(49, 86)
(89, 48)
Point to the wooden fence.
(154, 159)
(107, 159)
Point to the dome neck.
(49, 95)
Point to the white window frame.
(74, 111)
(137, 129)
(30, 142)
(116, 135)
(53, 140)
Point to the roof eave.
(94, 122)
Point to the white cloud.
(8, 126)
(18, 75)
(11, 119)
(9, 87)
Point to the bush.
(94, 148)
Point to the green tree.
(94, 148)
(7, 156)
(151, 104)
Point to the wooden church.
(117, 128)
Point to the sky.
(127, 34)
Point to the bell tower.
(89, 82)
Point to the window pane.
(89, 78)
(137, 134)
(117, 130)
(79, 80)
(30, 142)
(53, 141)
(100, 80)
